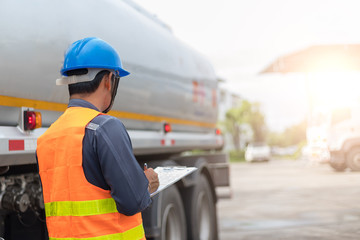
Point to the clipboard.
(170, 175)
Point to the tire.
(353, 159)
(338, 161)
(201, 211)
(173, 222)
(338, 166)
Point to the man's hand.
(153, 178)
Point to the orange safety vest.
(75, 209)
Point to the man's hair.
(85, 87)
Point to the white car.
(257, 152)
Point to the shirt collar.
(81, 103)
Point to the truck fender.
(202, 168)
(350, 143)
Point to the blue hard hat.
(92, 52)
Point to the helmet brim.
(122, 72)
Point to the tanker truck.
(168, 105)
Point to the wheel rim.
(171, 226)
(204, 221)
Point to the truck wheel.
(353, 159)
(201, 211)
(338, 166)
(173, 224)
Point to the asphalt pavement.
(290, 199)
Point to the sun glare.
(332, 90)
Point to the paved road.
(287, 199)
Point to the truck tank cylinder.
(168, 82)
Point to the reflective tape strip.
(23, 102)
(16, 145)
(21, 145)
(80, 208)
(167, 142)
(30, 144)
(92, 126)
(134, 233)
(152, 118)
(53, 106)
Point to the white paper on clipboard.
(170, 175)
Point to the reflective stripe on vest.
(80, 208)
(135, 233)
(76, 209)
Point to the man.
(93, 187)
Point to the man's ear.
(107, 81)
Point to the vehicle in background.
(257, 151)
(318, 153)
(339, 142)
(168, 104)
(344, 138)
(283, 151)
(317, 138)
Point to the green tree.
(257, 122)
(290, 136)
(233, 125)
(247, 113)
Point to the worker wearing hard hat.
(93, 186)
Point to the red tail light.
(167, 127)
(32, 120)
(217, 131)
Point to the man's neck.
(89, 98)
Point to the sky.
(241, 38)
